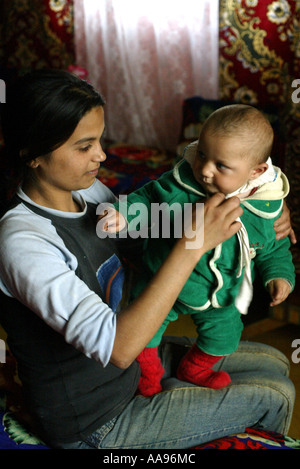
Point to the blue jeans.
(184, 415)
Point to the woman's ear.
(33, 164)
(258, 170)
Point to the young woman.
(62, 286)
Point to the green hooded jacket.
(216, 279)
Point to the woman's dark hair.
(41, 112)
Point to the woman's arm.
(137, 324)
(45, 281)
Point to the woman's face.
(75, 164)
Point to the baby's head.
(234, 145)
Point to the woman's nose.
(100, 155)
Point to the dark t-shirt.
(69, 394)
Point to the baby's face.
(221, 164)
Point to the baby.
(231, 157)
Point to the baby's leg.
(151, 368)
(196, 367)
(219, 332)
(151, 372)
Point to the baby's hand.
(279, 290)
(110, 220)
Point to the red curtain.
(259, 50)
(36, 34)
(259, 61)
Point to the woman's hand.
(283, 227)
(212, 223)
(220, 219)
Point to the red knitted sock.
(195, 367)
(151, 372)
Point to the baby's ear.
(258, 170)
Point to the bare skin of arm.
(137, 323)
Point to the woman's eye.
(85, 149)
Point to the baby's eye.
(221, 166)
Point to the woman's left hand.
(283, 227)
